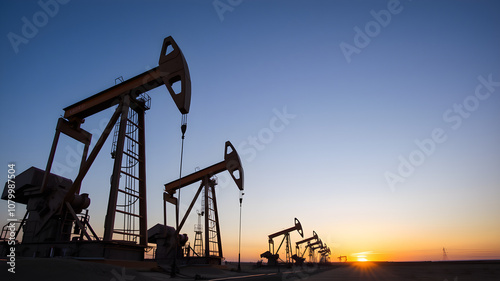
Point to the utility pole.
(239, 240)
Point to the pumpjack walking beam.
(232, 164)
(172, 69)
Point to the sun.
(362, 256)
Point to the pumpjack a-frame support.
(231, 163)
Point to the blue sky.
(349, 118)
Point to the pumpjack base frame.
(113, 250)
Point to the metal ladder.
(129, 181)
(212, 228)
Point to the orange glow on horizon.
(362, 256)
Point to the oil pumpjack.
(164, 236)
(299, 258)
(55, 223)
(313, 247)
(272, 255)
(325, 253)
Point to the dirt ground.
(59, 269)
(438, 271)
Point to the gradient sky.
(351, 119)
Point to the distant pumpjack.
(325, 254)
(299, 258)
(273, 256)
(312, 247)
(342, 258)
